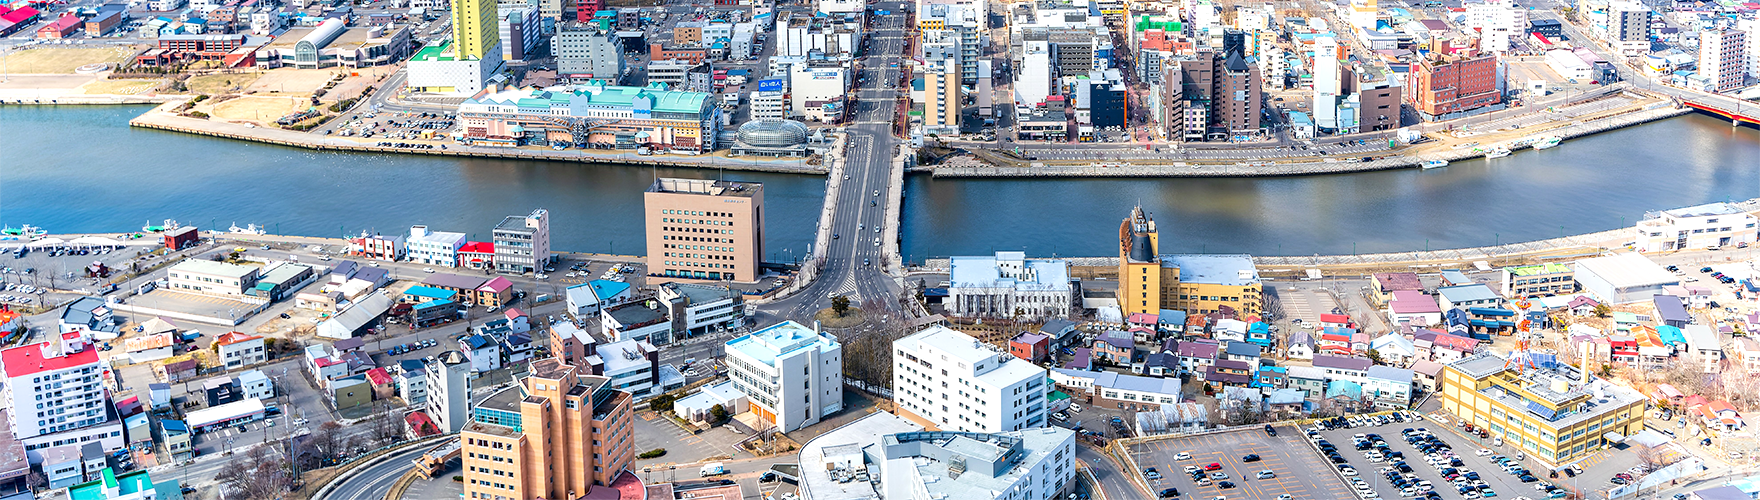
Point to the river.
(75, 169)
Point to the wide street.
(853, 262)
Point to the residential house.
(1335, 341)
(1286, 403)
(1721, 416)
(1452, 277)
(1623, 349)
(239, 349)
(1442, 347)
(1160, 364)
(1382, 285)
(635, 321)
(483, 351)
(1196, 356)
(382, 384)
(1258, 332)
(1114, 346)
(1671, 310)
(1388, 387)
(1359, 343)
(493, 293)
(1413, 307)
(586, 299)
(1114, 390)
(176, 437)
(1142, 320)
(1230, 373)
(1171, 321)
(1310, 380)
(1705, 348)
(256, 384)
(1062, 333)
(1032, 347)
(1336, 321)
(1228, 329)
(1245, 352)
(1394, 349)
(1583, 306)
(1270, 378)
(1343, 368)
(1424, 373)
(1465, 296)
(1301, 345)
(1748, 354)
(412, 383)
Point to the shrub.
(458, 478)
(654, 453)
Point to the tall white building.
(1326, 75)
(449, 391)
(433, 247)
(1721, 54)
(1035, 74)
(522, 243)
(953, 382)
(1695, 227)
(1750, 28)
(1498, 21)
(814, 85)
(1031, 464)
(1000, 286)
(54, 388)
(792, 374)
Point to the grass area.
(224, 83)
(260, 109)
(61, 60)
(121, 87)
(829, 318)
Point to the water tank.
(773, 133)
(1560, 386)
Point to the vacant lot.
(258, 109)
(224, 83)
(299, 82)
(121, 87)
(62, 60)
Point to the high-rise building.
(1238, 103)
(473, 28)
(1326, 74)
(1363, 14)
(1139, 269)
(522, 243)
(1720, 58)
(1443, 85)
(1629, 27)
(517, 31)
(584, 52)
(941, 96)
(558, 434)
(792, 374)
(449, 390)
(54, 388)
(949, 381)
(700, 229)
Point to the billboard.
(770, 85)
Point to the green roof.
(126, 484)
(1539, 269)
(1056, 395)
(665, 101)
(434, 52)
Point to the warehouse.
(1623, 278)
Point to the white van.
(714, 469)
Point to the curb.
(324, 492)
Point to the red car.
(1213, 466)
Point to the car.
(1270, 431)
(1060, 416)
(1169, 493)
(1213, 466)
(1285, 496)
(1219, 475)
(1250, 458)
(1266, 474)
(300, 421)
(1183, 456)
(1225, 485)
(1347, 471)
(1705, 269)
(1483, 452)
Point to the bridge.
(1730, 109)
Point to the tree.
(1375, 356)
(717, 414)
(259, 475)
(840, 305)
(1603, 310)
(36, 481)
(662, 402)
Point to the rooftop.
(1218, 269)
(447, 280)
(1551, 268)
(203, 266)
(863, 437)
(1009, 270)
(779, 340)
(1467, 293)
(1399, 281)
(706, 187)
(37, 358)
(1707, 209)
(1628, 270)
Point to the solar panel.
(1542, 411)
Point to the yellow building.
(474, 28)
(1195, 283)
(1554, 412)
(558, 434)
(941, 96)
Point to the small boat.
(169, 225)
(1547, 143)
(27, 231)
(1429, 164)
(248, 229)
(1497, 153)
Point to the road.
(374, 482)
(853, 260)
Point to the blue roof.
(1172, 317)
(1670, 335)
(606, 288)
(433, 303)
(1491, 311)
(1467, 293)
(429, 292)
(478, 342)
(173, 425)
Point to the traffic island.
(828, 318)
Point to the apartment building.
(1555, 413)
(54, 388)
(211, 277)
(1539, 280)
(1703, 226)
(558, 434)
(633, 366)
(792, 374)
(704, 230)
(584, 53)
(942, 98)
(448, 391)
(948, 380)
(1721, 58)
(238, 349)
(522, 243)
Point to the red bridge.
(1729, 109)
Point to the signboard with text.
(770, 85)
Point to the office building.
(1236, 108)
(473, 28)
(633, 366)
(1028, 464)
(1721, 55)
(1377, 104)
(54, 388)
(560, 433)
(522, 243)
(210, 277)
(1712, 225)
(1009, 285)
(1441, 85)
(1539, 280)
(438, 248)
(1363, 14)
(947, 380)
(792, 375)
(1629, 28)
(1194, 283)
(449, 390)
(1555, 413)
(704, 230)
(518, 31)
(818, 89)
(1327, 79)
(585, 53)
(439, 68)
(695, 308)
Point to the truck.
(714, 469)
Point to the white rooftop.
(865, 434)
(779, 340)
(1009, 270)
(1627, 270)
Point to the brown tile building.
(1379, 104)
(1441, 85)
(706, 230)
(557, 435)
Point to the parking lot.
(1503, 484)
(1300, 472)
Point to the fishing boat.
(248, 229)
(26, 232)
(150, 228)
(1547, 143)
(1429, 164)
(1497, 153)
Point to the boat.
(1429, 164)
(1547, 143)
(1497, 153)
(248, 229)
(150, 228)
(27, 232)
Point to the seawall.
(158, 119)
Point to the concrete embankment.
(160, 120)
(1261, 169)
(96, 99)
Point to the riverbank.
(160, 118)
(1002, 166)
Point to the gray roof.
(1220, 269)
(372, 274)
(1467, 293)
(1122, 340)
(1236, 348)
(1342, 362)
(1670, 308)
(454, 281)
(1390, 373)
(1055, 326)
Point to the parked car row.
(413, 346)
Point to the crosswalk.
(846, 286)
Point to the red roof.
(496, 285)
(378, 376)
(326, 361)
(64, 23)
(1455, 342)
(514, 312)
(477, 247)
(230, 338)
(1335, 318)
(421, 424)
(20, 15)
(26, 360)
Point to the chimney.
(1584, 365)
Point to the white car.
(1347, 471)
(427, 269)
(1183, 456)
(1483, 452)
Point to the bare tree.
(325, 444)
(36, 481)
(1649, 457)
(260, 475)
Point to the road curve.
(373, 482)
